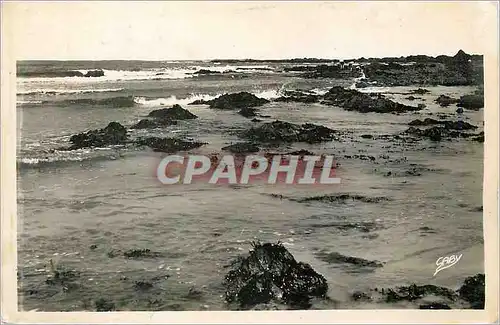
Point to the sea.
(80, 210)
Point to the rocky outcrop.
(354, 100)
(285, 132)
(248, 112)
(175, 112)
(472, 291)
(271, 274)
(234, 101)
(113, 134)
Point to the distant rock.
(451, 125)
(206, 71)
(94, 73)
(175, 112)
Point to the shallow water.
(109, 198)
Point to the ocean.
(81, 209)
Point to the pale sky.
(207, 30)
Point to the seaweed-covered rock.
(444, 100)
(354, 100)
(141, 253)
(175, 112)
(242, 147)
(279, 131)
(473, 291)
(271, 273)
(152, 124)
(169, 145)
(113, 134)
(236, 101)
(420, 91)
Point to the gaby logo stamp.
(445, 262)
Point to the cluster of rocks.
(473, 101)
(459, 70)
(270, 274)
(116, 134)
(336, 71)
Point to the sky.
(177, 30)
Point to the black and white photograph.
(251, 156)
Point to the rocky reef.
(271, 274)
(113, 134)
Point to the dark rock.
(337, 258)
(367, 136)
(176, 112)
(351, 99)
(325, 71)
(473, 101)
(242, 147)
(102, 304)
(472, 291)
(449, 125)
(236, 101)
(141, 253)
(93, 246)
(279, 131)
(206, 71)
(94, 73)
(435, 305)
(256, 120)
(200, 102)
(460, 110)
(169, 145)
(479, 138)
(444, 100)
(113, 134)
(248, 112)
(270, 273)
(152, 124)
